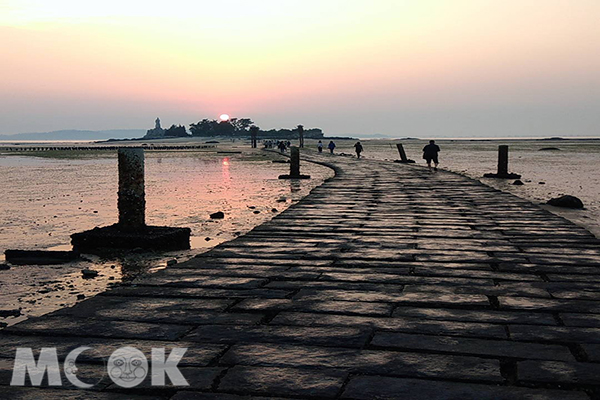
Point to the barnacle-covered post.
(132, 198)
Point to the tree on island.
(240, 127)
(231, 127)
(176, 131)
(242, 124)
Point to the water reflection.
(225, 170)
(295, 185)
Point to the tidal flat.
(47, 196)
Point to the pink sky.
(400, 68)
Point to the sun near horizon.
(419, 68)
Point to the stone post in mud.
(131, 232)
(294, 165)
(294, 161)
(502, 160)
(503, 165)
(132, 199)
(403, 159)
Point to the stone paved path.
(386, 282)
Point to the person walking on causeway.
(430, 153)
(331, 146)
(358, 147)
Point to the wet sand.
(46, 199)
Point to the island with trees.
(232, 127)
(240, 127)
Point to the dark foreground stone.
(502, 176)
(566, 201)
(294, 176)
(39, 257)
(383, 388)
(149, 237)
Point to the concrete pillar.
(503, 166)
(294, 161)
(132, 199)
(294, 165)
(502, 160)
(403, 157)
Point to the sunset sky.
(425, 68)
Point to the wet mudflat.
(385, 282)
(47, 196)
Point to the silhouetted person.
(320, 146)
(281, 146)
(358, 148)
(300, 130)
(430, 153)
(331, 146)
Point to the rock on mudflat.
(98, 240)
(566, 202)
(40, 257)
(10, 313)
(4, 267)
(217, 215)
(518, 182)
(89, 273)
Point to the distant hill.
(77, 135)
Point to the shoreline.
(224, 139)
